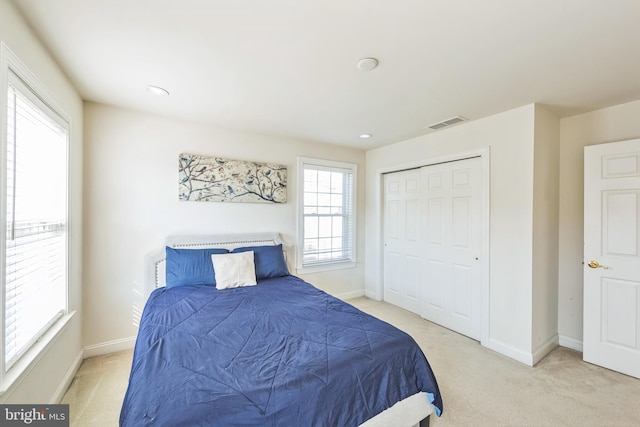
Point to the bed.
(265, 351)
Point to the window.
(35, 205)
(326, 214)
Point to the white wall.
(536, 202)
(510, 136)
(46, 379)
(131, 206)
(136, 215)
(545, 233)
(612, 124)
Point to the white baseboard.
(571, 343)
(513, 353)
(109, 347)
(372, 295)
(529, 359)
(68, 378)
(349, 295)
(544, 349)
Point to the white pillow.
(234, 270)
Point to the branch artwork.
(215, 179)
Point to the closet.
(433, 235)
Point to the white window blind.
(327, 213)
(35, 273)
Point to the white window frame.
(303, 162)
(9, 375)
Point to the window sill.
(35, 353)
(326, 267)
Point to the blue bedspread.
(282, 353)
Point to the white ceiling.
(288, 67)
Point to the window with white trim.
(326, 214)
(34, 261)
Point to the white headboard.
(155, 262)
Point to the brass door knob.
(596, 264)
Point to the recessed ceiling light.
(156, 90)
(367, 64)
(365, 136)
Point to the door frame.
(484, 154)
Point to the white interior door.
(612, 256)
(402, 249)
(452, 245)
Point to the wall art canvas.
(216, 179)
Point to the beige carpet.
(479, 386)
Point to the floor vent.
(448, 122)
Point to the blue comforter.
(282, 353)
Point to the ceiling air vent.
(448, 122)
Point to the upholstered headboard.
(155, 262)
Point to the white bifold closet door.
(433, 238)
(403, 249)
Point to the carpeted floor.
(479, 387)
